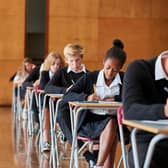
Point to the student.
(92, 124)
(23, 71)
(145, 97)
(64, 78)
(52, 63)
(28, 82)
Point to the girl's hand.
(166, 108)
(93, 97)
(110, 99)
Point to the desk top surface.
(95, 104)
(54, 95)
(159, 126)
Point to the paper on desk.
(109, 102)
(164, 122)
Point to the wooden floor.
(7, 157)
(18, 150)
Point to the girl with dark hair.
(92, 124)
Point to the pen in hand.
(94, 88)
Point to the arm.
(82, 89)
(34, 75)
(75, 93)
(55, 85)
(44, 79)
(139, 94)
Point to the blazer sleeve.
(44, 79)
(119, 97)
(82, 88)
(55, 85)
(34, 75)
(138, 80)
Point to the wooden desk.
(75, 110)
(160, 128)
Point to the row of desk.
(159, 128)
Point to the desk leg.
(74, 150)
(151, 148)
(134, 147)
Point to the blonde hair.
(52, 56)
(73, 49)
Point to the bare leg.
(107, 139)
(46, 128)
(111, 156)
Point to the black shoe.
(90, 159)
(91, 164)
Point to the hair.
(22, 72)
(73, 49)
(52, 56)
(28, 60)
(117, 51)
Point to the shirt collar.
(69, 69)
(159, 71)
(101, 81)
(50, 74)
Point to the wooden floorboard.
(17, 150)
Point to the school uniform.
(144, 96)
(90, 124)
(32, 77)
(46, 76)
(62, 79)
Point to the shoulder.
(144, 64)
(45, 73)
(92, 74)
(62, 71)
(140, 69)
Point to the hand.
(166, 108)
(93, 97)
(36, 83)
(110, 99)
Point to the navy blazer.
(84, 87)
(143, 97)
(61, 81)
(45, 78)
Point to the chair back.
(120, 118)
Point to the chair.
(87, 141)
(120, 118)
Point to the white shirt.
(105, 91)
(159, 71)
(50, 74)
(69, 69)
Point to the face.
(56, 65)
(28, 66)
(74, 62)
(111, 67)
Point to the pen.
(166, 89)
(94, 88)
(72, 81)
